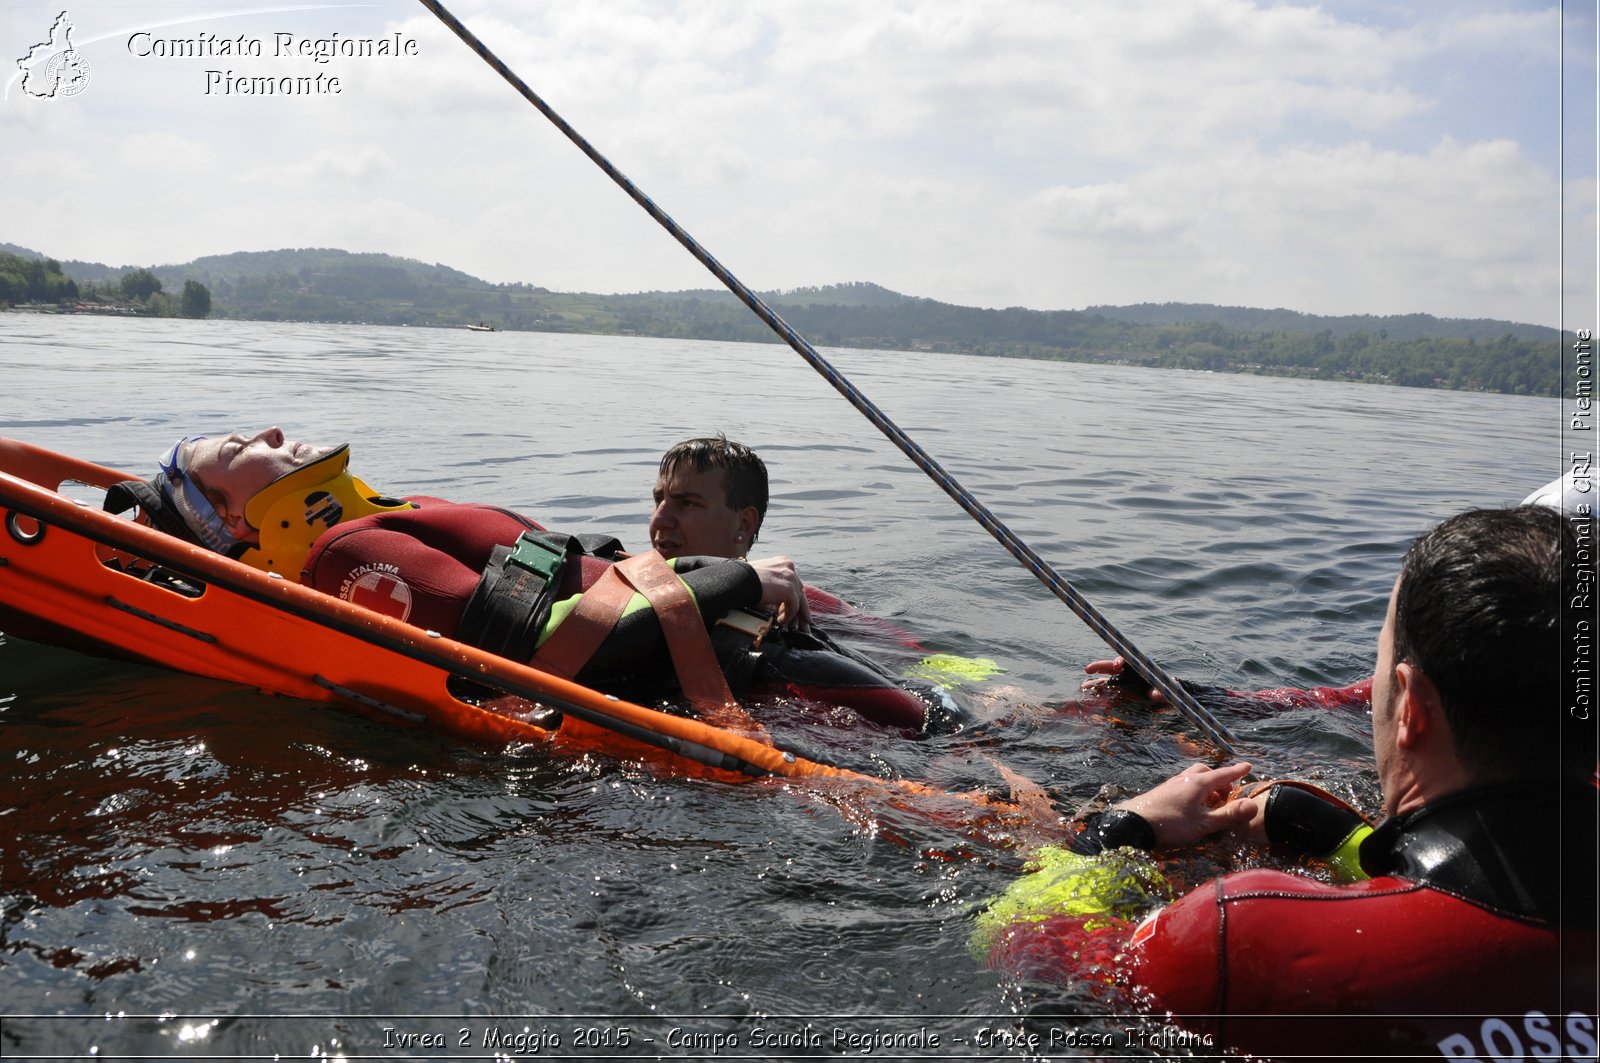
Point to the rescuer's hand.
(782, 591)
(1115, 672)
(1194, 803)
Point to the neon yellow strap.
(1118, 882)
(1346, 859)
(946, 670)
(559, 610)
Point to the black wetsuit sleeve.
(1306, 824)
(634, 657)
(1113, 828)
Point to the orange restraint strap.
(580, 634)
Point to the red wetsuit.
(1357, 695)
(1474, 939)
(422, 565)
(419, 565)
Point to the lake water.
(194, 869)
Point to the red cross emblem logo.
(382, 593)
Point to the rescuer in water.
(227, 489)
(1464, 922)
(710, 498)
(496, 579)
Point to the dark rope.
(1041, 569)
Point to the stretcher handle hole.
(25, 533)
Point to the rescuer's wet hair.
(1479, 609)
(744, 474)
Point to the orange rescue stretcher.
(75, 576)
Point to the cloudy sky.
(1357, 156)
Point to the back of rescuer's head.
(1479, 609)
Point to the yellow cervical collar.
(294, 510)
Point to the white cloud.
(162, 153)
(1524, 34)
(1348, 229)
(988, 152)
(1116, 210)
(315, 173)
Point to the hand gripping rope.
(1041, 569)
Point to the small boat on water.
(482, 327)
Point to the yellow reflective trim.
(1118, 882)
(1345, 860)
(948, 671)
(559, 610)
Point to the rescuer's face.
(1385, 698)
(692, 517)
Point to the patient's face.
(231, 469)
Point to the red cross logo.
(382, 593)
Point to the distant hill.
(325, 284)
(859, 293)
(855, 293)
(1397, 326)
(326, 261)
(323, 261)
(82, 272)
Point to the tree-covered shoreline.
(1414, 350)
(42, 282)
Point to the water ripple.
(173, 839)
